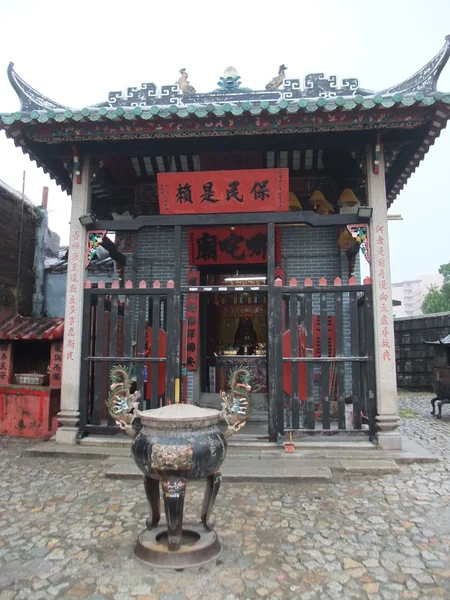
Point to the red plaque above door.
(200, 192)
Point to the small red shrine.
(31, 365)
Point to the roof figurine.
(275, 82)
(185, 86)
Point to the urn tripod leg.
(173, 491)
(212, 489)
(152, 492)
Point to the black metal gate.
(131, 327)
(319, 348)
(324, 348)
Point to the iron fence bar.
(129, 291)
(310, 417)
(120, 359)
(371, 381)
(127, 326)
(84, 367)
(293, 325)
(112, 340)
(326, 288)
(221, 289)
(339, 311)
(170, 379)
(275, 426)
(356, 367)
(98, 351)
(154, 368)
(177, 310)
(140, 346)
(324, 366)
(325, 359)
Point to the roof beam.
(257, 218)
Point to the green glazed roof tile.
(330, 106)
(308, 105)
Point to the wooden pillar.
(386, 382)
(68, 416)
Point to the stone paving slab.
(67, 532)
(243, 470)
(287, 470)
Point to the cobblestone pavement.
(66, 532)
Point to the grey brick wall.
(155, 255)
(310, 252)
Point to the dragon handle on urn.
(237, 403)
(123, 405)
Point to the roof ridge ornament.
(275, 82)
(184, 84)
(182, 93)
(229, 82)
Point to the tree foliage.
(438, 299)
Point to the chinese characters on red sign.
(192, 310)
(256, 190)
(5, 362)
(72, 290)
(230, 245)
(56, 355)
(380, 265)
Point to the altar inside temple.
(236, 331)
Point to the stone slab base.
(198, 547)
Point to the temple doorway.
(233, 326)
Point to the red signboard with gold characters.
(255, 190)
(230, 245)
(192, 314)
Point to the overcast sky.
(75, 53)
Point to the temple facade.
(238, 220)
